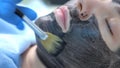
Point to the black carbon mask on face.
(84, 47)
(48, 23)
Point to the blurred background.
(43, 7)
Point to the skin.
(30, 59)
(107, 15)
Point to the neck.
(30, 59)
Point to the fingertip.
(31, 14)
(20, 26)
(28, 12)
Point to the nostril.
(82, 14)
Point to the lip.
(62, 17)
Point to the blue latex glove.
(13, 43)
(7, 10)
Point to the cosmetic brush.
(50, 42)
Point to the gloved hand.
(7, 10)
(13, 44)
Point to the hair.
(84, 47)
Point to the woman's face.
(84, 46)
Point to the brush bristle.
(53, 44)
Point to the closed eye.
(108, 26)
